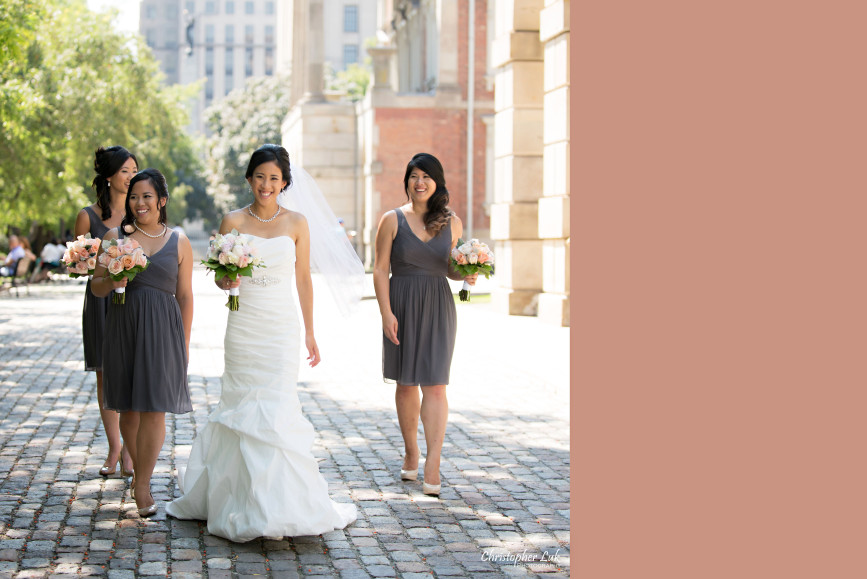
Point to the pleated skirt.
(144, 354)
(426, 328)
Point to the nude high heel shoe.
(432, 490)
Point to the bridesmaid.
(147, 339)
(114, 167)
(419, 321)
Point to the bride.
(251, 472)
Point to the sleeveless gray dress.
(422, 302)
(144, 353)
(95, 309)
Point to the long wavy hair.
(106, 162)
(267, 153)
(159, 184)
(438, 211)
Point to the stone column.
(554, 203)
(518, 123)
(314, 80)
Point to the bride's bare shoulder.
(232, 220)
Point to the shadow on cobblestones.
(503, 512)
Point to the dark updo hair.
(106, 162)
(438, 212)
(162, 189)
(268, 153)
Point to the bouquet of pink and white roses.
(230, 255)
(471, 257)
(123, 258)
(80, 255)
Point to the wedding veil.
(331, 254)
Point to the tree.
(73, 86)
(247, 118)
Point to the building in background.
(431, 92)
(222, 41)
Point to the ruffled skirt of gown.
(251, 472)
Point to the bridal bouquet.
(230, 255)
(80, 255)
(471, 257)
(123, 258)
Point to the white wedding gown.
(251, 472)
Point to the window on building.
(151, 37)
(171, 11)
(210, 7)
(269, 61)
(230, 7)
(230, 69)
(350, 54)
(209, 62)
(209, 91)
(269, 8)
(248, 61)
(269, 35)
(150, 11)
(209, 34)
(230, 34)
(350, 18)
(249, 7)
(248, 34)
(230, 61)
(190, 7)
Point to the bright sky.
(127, 20)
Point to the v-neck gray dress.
(145, 355)
(95, 309)
(422, 302)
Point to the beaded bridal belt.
(265, 280)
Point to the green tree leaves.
(70, 83)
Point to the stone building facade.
(530, 214)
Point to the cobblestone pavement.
(504, 508)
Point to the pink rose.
(91, 263)
(81, 267)
(461, 259)
(243, 261)
(224, 258)
(115, 267)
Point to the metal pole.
(471, 97)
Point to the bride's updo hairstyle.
(158, 182)
(438, 210)
(106, 162)
(268, 153)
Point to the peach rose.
(127, 261)
(91, 263)
(115, 267)
(483, 257)
(81, 267)
(461, 259)
(113, 251)
(141, 260)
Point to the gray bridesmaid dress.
(422, 302)
(95, 309)
(144, 354)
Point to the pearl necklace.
(143, 232)
(250, 211)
